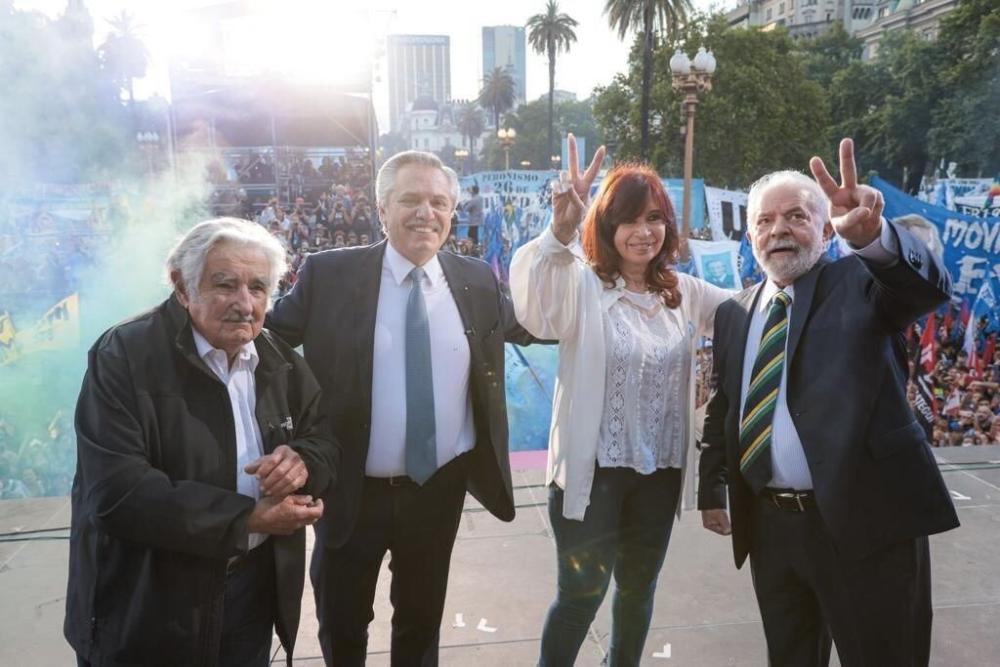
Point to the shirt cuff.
(884, 250)
(550, 244)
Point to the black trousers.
(877, 610)
(417, 525)
(249, 608)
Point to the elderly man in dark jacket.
(202, 455)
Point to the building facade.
(418, 66)
(868, 20)
(503, 46)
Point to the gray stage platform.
(503, 580)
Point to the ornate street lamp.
(461, 156)
(690, 78)
(506, 137)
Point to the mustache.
(782, 245)
(238, 319)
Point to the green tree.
(123, 55)
(498, 93)
(531, 122)
(762, 113)
(549, 34)
(646, 17)
(471, 125)
(828, 53)
(887, 105)
(965, 129)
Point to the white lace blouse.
(557, 295)
(646, 377)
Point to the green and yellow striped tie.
(762, 395)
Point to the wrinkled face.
(229, 308)
(638, 241)
(417, 215)
(787, 235)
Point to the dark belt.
(789, 500)
(402, 480)
(398, 480)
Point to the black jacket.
(155, 510)
(331, 312)
(874, 475)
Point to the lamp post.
(462, 155)
(506, 137)
(690, 78)
(149, 144)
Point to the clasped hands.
(280, 511)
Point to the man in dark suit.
(408, 345)
(832, 486)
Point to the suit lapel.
(365, 299)
(746, 301)
(460, 291)
(805, 287)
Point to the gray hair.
(386, 178)
(814, 194)
(188, 256)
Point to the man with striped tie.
(832, 486)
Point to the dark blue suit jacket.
(874, 475)
(331, 313)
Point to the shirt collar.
(400, 267)
(248, 351)
(770, 289)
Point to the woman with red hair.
(623, 408)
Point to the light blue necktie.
(421, 444)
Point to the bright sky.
(318, 40)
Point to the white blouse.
(646, 369)
(557, 295)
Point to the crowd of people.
(966, 392)
(38, 462)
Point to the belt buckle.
(398, 480)
(797, 497)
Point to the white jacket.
(558, 295)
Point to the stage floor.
(503, 579)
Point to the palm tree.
(471, 125)
(497, 94)
(548, 34)
(646, 16)
(123, 55)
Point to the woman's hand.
(569, 199)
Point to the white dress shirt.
(242, 388)
(455, 432)
(788, 459)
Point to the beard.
(786, 267)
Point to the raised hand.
(570, 201)
(855, 210)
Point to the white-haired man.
(407, 343)
(202, 455)
(832, 486)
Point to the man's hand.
(716, 521)
(284, 516)
(281, 472)
(855, 210)
(569, 204)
